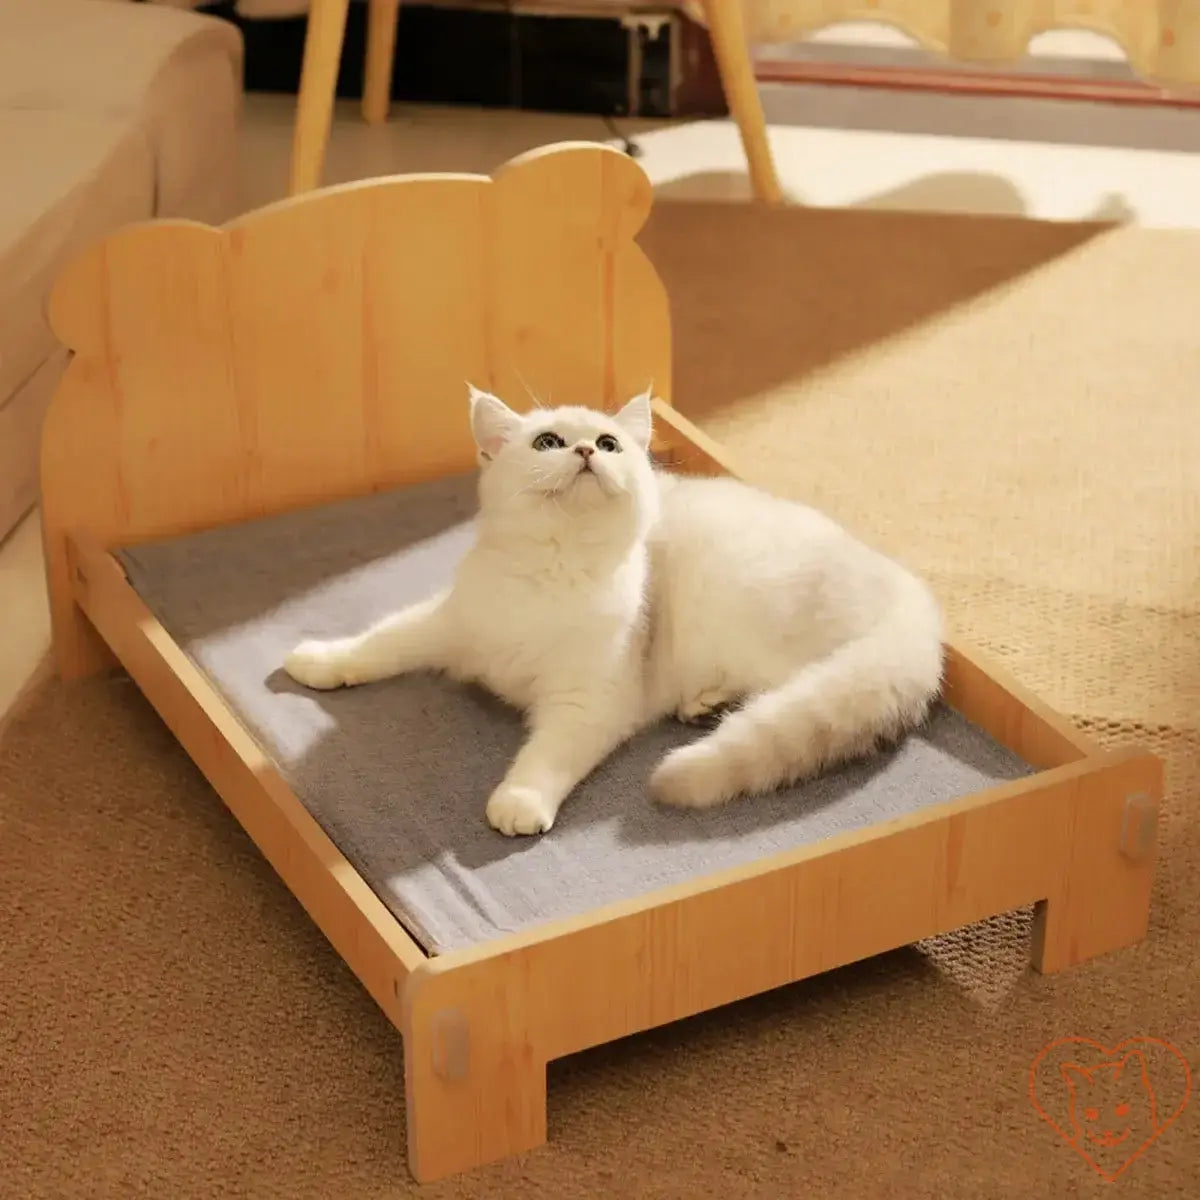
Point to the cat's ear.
(493, 423)
(637, 420)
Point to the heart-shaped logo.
(1110, 1105)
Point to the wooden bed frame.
(317, 349)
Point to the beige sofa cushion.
(100, 175)
(176, 74)
(96, 56)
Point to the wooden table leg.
(732, 51)
(381, 51)
(318, 83)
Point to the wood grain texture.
(356, 922)
(1051, 839)
(845, 898)
(320, 347)
(1099, 900)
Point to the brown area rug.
(1010, 406)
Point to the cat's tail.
(867, 691)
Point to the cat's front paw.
(320, 665)
(520, 810)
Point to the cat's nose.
(585, 451)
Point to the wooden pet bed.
(263, 431)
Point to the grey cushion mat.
(397, 773)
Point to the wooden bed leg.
(78, 650)
(475, 1088)
(1102, 902)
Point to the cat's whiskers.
(536, 485)
(522, 491)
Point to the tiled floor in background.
(834, 147)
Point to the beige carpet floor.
(1013, 408)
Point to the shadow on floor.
(794, 289)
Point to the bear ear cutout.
(610, 192)
(128, 265)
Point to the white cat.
(602, 594)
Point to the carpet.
(1011, 408)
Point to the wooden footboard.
(480, 1025)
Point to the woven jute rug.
(1010, 407)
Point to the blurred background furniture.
(1161, 39)
(323, 49)
(109, 113)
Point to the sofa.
(110, 112)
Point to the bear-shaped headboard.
(321, 347)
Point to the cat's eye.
(606, 441)
(548, 441)
(1122, 1110)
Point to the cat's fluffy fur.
(602, 594)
